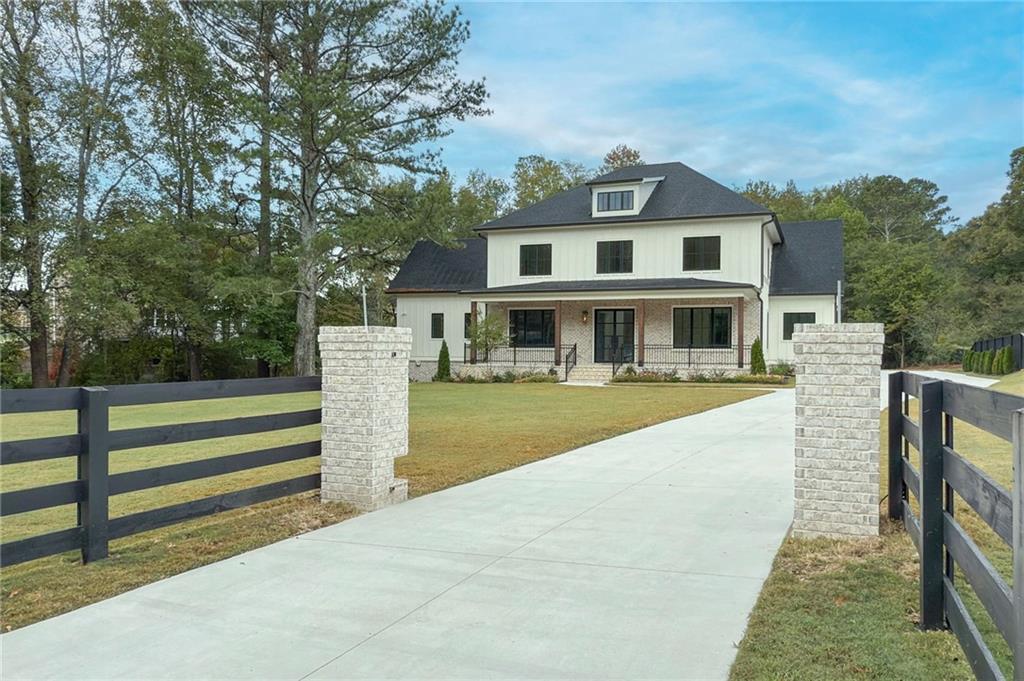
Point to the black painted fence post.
(1018, 542)
(94, 471)
(932, 562)
(897, 491)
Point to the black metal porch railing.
(515, 355)
(695, 358)
(570, 360)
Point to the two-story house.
(655, 266)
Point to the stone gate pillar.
(364, 413)
(838, 385)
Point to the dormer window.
(614, 201)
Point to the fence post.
(1018, 543)
(897, 491)
(93, 471)
(932, 563)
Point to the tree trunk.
(193, 353)
(263, 230)
(64, 367)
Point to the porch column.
(740, 304)
(641, 313)
(472, 321)
(558, 333)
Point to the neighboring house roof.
(612, 285)
(810, 259)
(683, 193)
(432, 267)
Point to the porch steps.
(590, 373)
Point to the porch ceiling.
(619, 289)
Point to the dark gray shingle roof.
(432, 267)
(810, 258)
(612, 285)
(684, 193)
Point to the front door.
(613, 334)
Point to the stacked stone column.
(365, 413)
(838, 384)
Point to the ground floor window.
(532, 328)
(467, 324)
(790, 319)
(702, 327)
(437, 325)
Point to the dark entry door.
(613, 332)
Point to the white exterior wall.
(778, 350)
(657, 251)
(413, 311)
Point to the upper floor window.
(534, 260)
(437, 325)
(610, 201)
(614, 257)
(702, 253)
(791, 319)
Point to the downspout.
(763, 317)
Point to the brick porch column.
(364, 413)
(741, 303)
(641, 313)
(558, 333)
(473, 319)
(838, 382)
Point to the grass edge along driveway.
(458, 433)
(847, 609)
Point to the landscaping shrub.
(537, 378)
(651, 376)
(782, 369)
(757, 358)
(1004, 360)
(444, 364)
(986, 362)
(631, 375)
(965, 363)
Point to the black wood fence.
(940, 540)
(1014, 340)
(94, 441)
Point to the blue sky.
(813, 92)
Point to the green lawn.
(457, 433)
(842, 609)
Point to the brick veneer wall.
(838, 374)
(364, 413)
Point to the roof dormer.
(622, 197)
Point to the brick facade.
(838, 374)
(365, 413)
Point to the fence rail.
(941, 541)
(516, 355)
(94, 441)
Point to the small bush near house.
(757, 358)
(537, 378)
(648, 376)
(631, 375)
(444, 364)
(782, 369)
(551, 376)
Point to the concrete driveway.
(637, 557)
(978, 381)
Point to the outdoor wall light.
(586, 316)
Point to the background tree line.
(188, 189)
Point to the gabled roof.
(432, 267)
(682, 194)
(810, 259)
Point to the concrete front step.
(591, 372)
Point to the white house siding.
(823, 307)
(657, 251)
(413, 311)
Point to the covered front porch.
(591, 335)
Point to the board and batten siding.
(413, 312)
(823, 307)
(657, 251)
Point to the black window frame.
(435, 319)
(696, 253)
(719, 330)
(537, 325)
(616, 253)
(607, 201)
(789, 321)
(536, 257)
